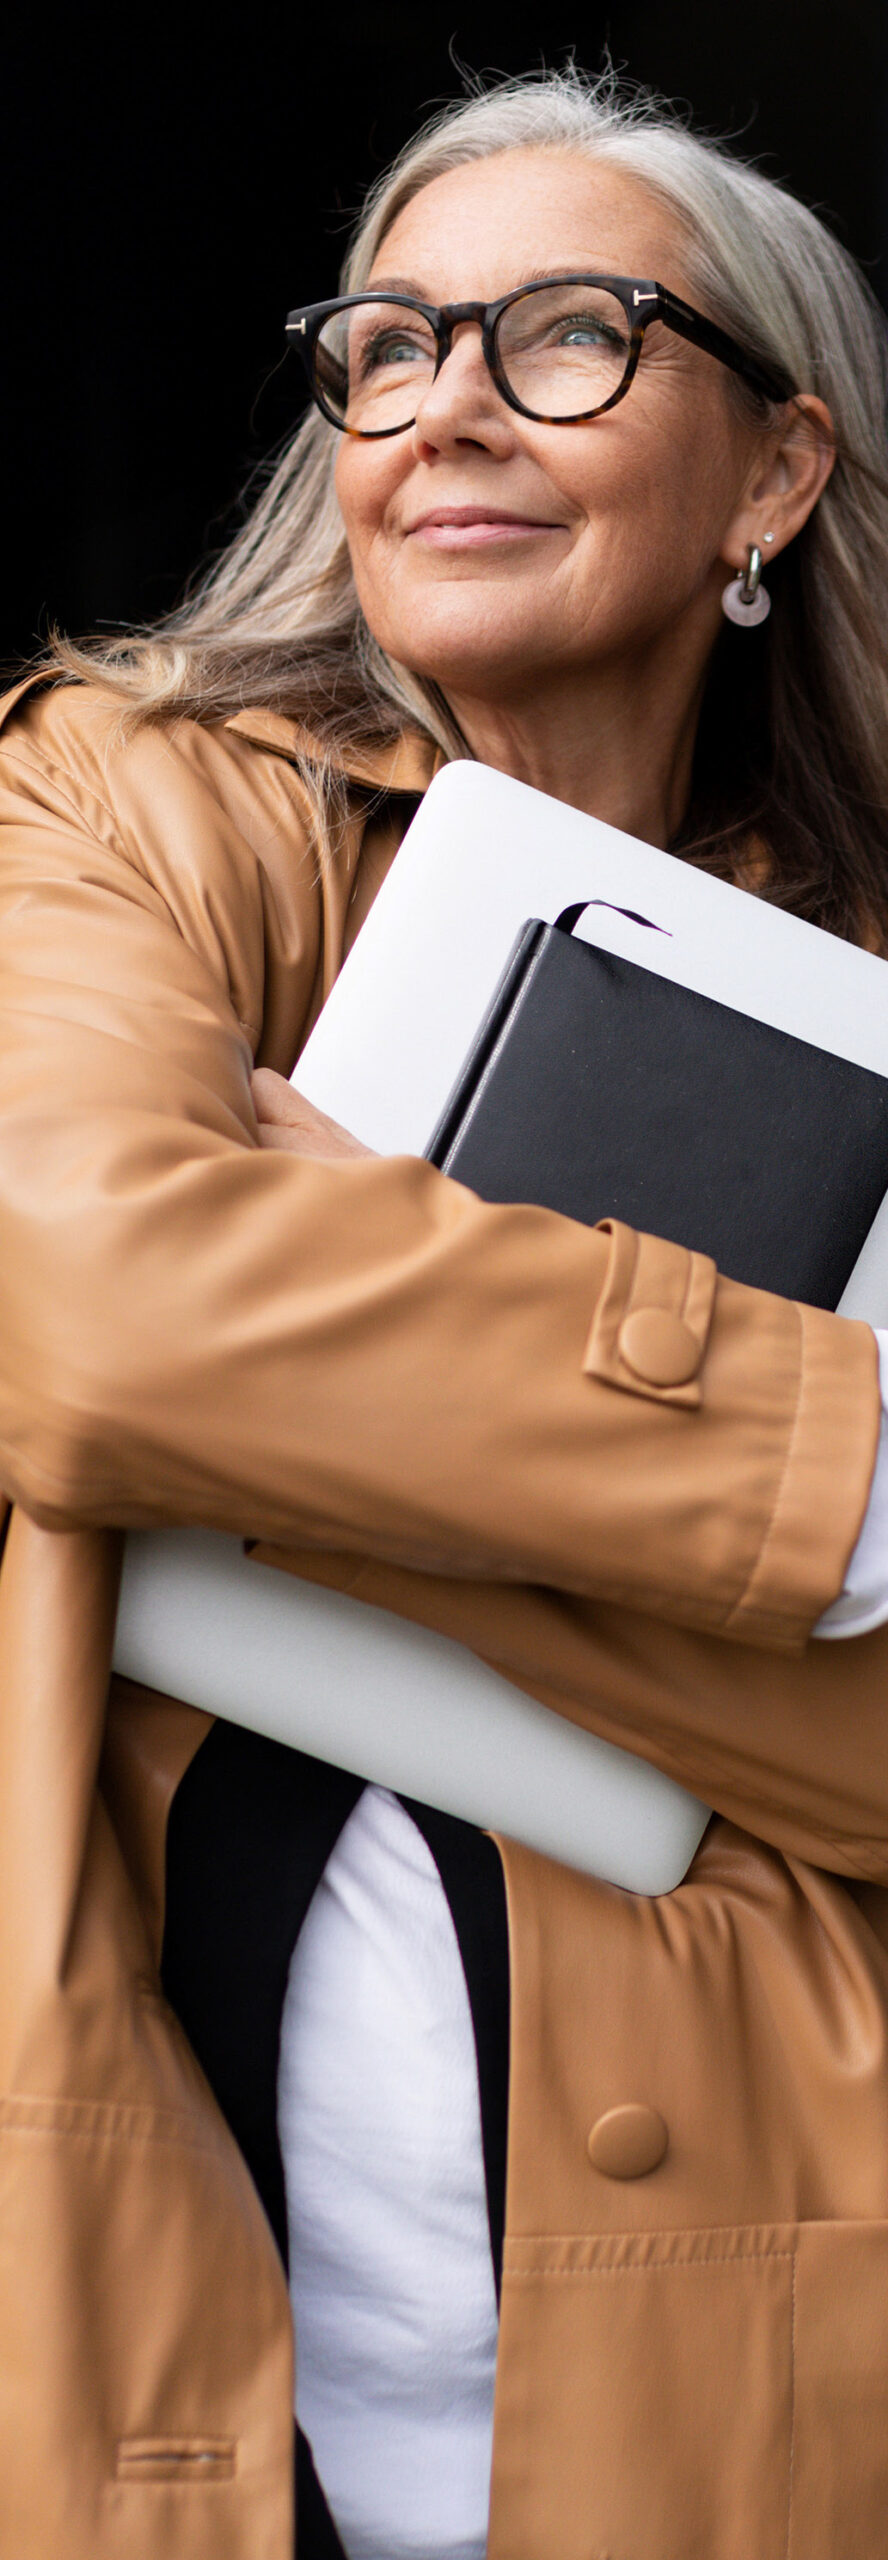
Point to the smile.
(476, 528)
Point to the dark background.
(174, 186)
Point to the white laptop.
(329, 1674)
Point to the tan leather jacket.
(433, 1402)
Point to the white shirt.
(390, 2269)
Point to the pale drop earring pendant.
(745, 600)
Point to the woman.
(218, 1309)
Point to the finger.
(291, 1141)
(273, 1098)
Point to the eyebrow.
(396, 284)
(534, 275)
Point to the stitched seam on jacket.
(85, 2119)
(43, 768)
(702, 1276)
(792, 2410)
(659, 2267)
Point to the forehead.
(474, 232)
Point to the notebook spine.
(449, 1127)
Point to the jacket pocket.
(694, 2395)
(646, 2399)
(840, 2434)
(202, 2459)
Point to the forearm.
(364, 1356)
(789, 1747)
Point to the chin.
(472, 651)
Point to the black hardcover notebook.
(600, 1089)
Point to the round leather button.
(659, 1347)
(628, 2142)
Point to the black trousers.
(251, 1829)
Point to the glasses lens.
(564, 348)
(372, 364)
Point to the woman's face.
(591, 541)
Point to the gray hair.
(791, 776)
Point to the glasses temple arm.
(716, 342)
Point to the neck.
(618, 743)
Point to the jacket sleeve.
(359, 1356)
(790, 1746)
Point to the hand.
(287, 1120)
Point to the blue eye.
(390, 346)
(587, 332)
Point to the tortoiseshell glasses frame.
(643, 301)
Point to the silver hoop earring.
(745, 600)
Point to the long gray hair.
(790, 784)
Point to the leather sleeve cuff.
(821, 1499)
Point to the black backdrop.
(175, 184)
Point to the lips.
(457, 519)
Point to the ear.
(792, 465)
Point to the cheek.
(367, 483)
(364, 480)
(630, 478)
(667, 442)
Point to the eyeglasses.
(561, 351)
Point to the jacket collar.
(406, 765)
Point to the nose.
(462, 403)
